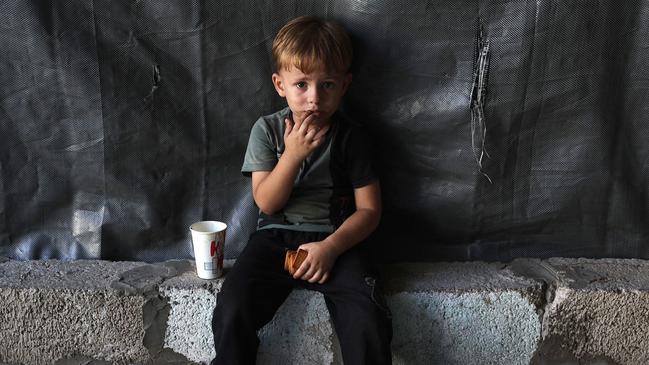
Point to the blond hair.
(309, 44)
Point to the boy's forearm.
(354, 229)
(273, 192)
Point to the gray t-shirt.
(323, 191)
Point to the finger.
(317, 142)
(310, 134)
(289, 127)
(301, 270)
(307, 122)
(309, 274)
(324, 279)
(316, 277)
(297, 122)
(321, 132)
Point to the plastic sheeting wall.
(502, 128)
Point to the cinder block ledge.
(528, 311)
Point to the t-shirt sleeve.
(359, 159)
(261, 154)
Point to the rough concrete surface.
(50, 310)
(556, 311)
(300, 333)
(191, 302)
(463, 313)
(600, 310)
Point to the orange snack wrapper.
(293, 260)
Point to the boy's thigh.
(351, 268)
(255, 286)
(355, 278)
(261, 261)
(263, 256)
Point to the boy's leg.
(253, 290)
(358, 309)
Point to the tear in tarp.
(121, 123)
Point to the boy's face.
(317, 92)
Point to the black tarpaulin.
(502, 129)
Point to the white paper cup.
(208, 238)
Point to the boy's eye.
(328, 85)
(301, 85)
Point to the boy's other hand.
(302, 137)
(318, 263)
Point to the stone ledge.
(528, 311)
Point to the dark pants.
(257, 285)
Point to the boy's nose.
(314, 96)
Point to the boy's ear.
(279, 84)
(347, 79)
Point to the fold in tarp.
(500, 129)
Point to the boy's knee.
(232, 312)
(231, 301)
(377, 296)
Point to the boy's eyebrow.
(326, 77)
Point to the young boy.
(313, 182)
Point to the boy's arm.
(271, 189)
(322, 255)
(360, 224)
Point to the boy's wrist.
(333, 245)
(291, 158)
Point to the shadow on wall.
(122, 124)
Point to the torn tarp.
(501, 129)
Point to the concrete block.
(530, 311)
(300, 332)
(52, 310)
(83, 312)
(599, 312)
(463, 313)
(191, 302)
